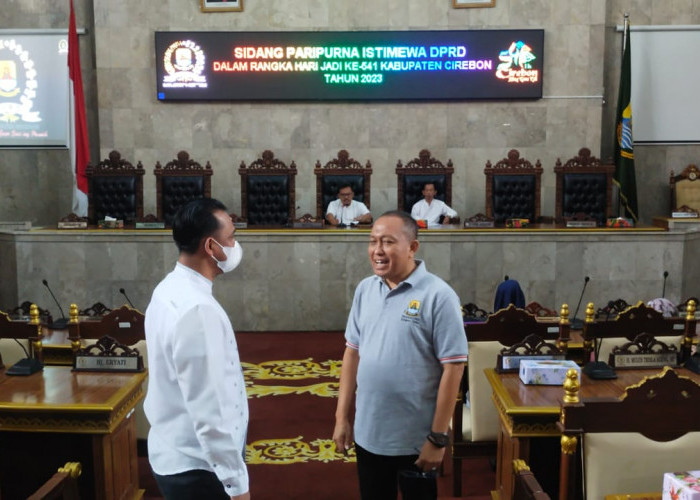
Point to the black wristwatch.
(438, 439)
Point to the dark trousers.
(191, 485)
(379, 476)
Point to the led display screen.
(34, 90)
(357, 65)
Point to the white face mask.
(234, 255)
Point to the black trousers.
(191, 485)
(379, 477)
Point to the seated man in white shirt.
(346, 211)
(432, 209)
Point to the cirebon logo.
(18, 84)
(183, 62)
(516, 64)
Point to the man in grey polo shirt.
(403, 362)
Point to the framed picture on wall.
(468, 4)
(221, 5)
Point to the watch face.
(692, 176)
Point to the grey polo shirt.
(402, 336)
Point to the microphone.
(123, 292)
(577, 324)
(663, 292)
(59, 324)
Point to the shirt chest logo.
(413, 309)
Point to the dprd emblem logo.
(18, 84)
(413, 308)
(184, 62)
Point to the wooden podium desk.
(58, 416)
(528, 416)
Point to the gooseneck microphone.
(663, 292)
(123, 292)
(25, 366)
(59, 324)
(577, 324)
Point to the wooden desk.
(528, 416)
(56, 416)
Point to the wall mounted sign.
(357, 65)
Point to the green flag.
(624, 155)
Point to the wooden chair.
(475, 427)
(115, 189)
(513, 187)
(18, 335)
(267, 191)
(685, 190)
(612, 309)
(336, 172)
(539, 311)
(62, 485)
(412, 177)
(632, 322)
(22, 312)
(526, 485)
(583, 185)
(627, 444)
(95, 311)
(473, 313)
(181, 180)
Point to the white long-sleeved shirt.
(346, 215)
(432, 213)
(196, 401)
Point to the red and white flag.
(79, 146)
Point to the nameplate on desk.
(240, 225)
(308, 225)
(684, 215)
(9, 225)
(645, 360)
(150, 225)
(107, 363)
(478, 223)
(108, 355)
(580, 223)
(512, 363)
(78, 224)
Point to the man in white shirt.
(430, 208)
(347, 211)
(196, 401)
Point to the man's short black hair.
(429, 183)
(345, 185)
(410, 226)
(195, 221)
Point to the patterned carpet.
(292, 383)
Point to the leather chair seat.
(268, 199)
(513, 197)
(585, 193)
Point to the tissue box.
(682, 485)
(546, 372)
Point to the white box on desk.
(546, 372)
(681, 485)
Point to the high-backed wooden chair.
(611, 310)
(22, 311)
(115, 189)
(685, 189)
(267, 191)
(584, 185)
(627, 444)
(633, 321)
(513, 187)
(15, 332)
(62, 485)
(337, 172)
(181, 180)
(416, 173)
(475, 427)
(473, 313)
